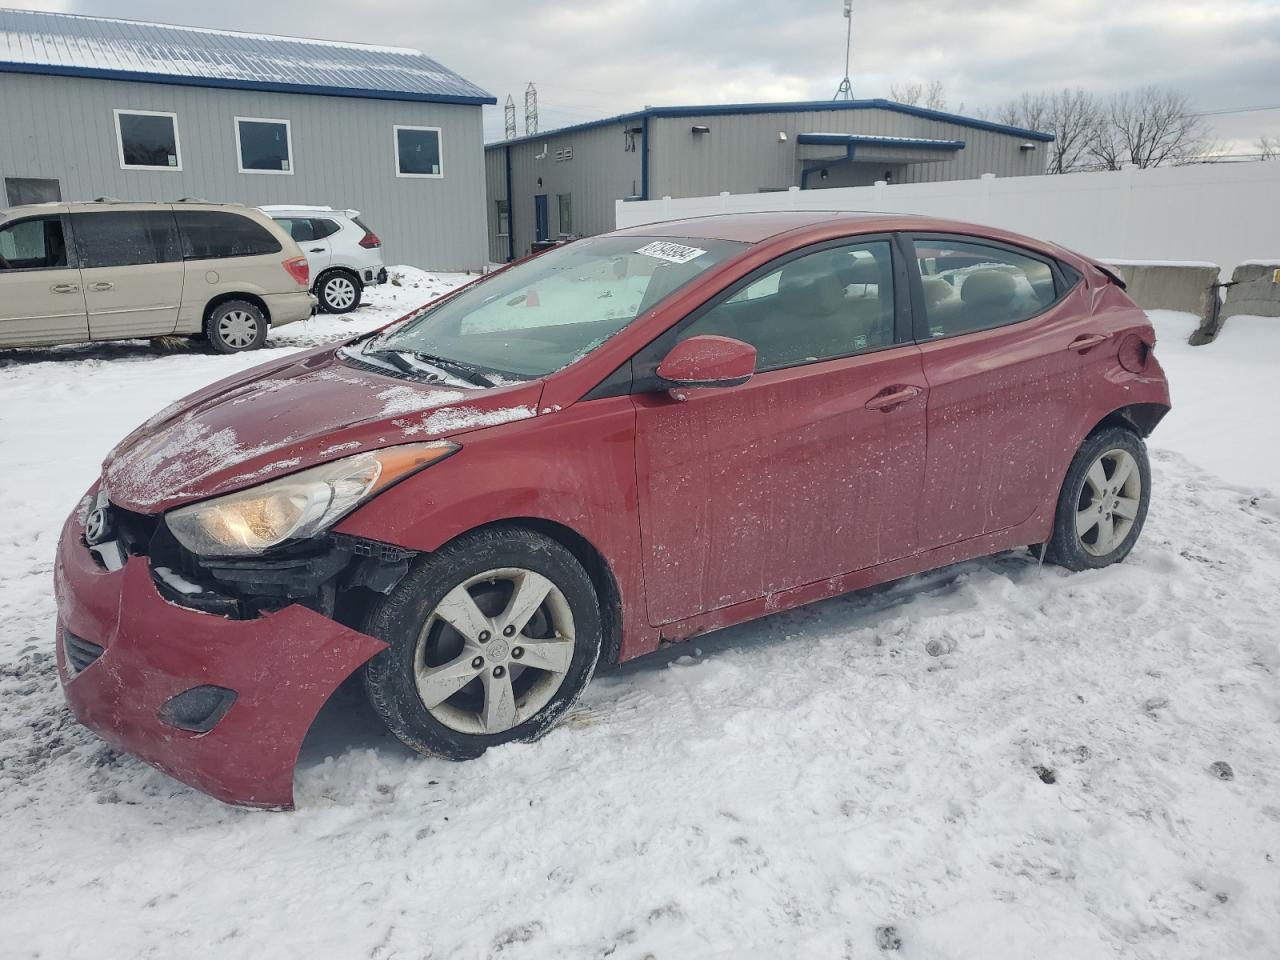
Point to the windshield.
(551, 310)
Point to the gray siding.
(742, 153)
(601, 172)
(495, 176)
(63, 128)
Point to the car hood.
(285, 416)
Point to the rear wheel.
(1103, 503)
(492, 639)
(236, 326)
(339, 291)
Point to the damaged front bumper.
(221, 704)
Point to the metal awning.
(873, 148)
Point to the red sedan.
(635, 438)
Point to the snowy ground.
(785, 789)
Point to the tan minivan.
(108, 270)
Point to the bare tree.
(1072, 116)
(1148, 127)
(932, 96)
(1268, 148)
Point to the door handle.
(316, 250)
(1087, 341)
(895, 397)
(65, 287)
(101, 286)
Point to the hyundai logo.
(97, 527)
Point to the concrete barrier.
(1254, 290)
(1188, 287)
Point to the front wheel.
(1103, 503)
(492, 639)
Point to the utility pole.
(845, 90)
(530, 109)
(509, 118)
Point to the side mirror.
(708, 361)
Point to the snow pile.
(995, 760)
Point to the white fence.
(1221, 213)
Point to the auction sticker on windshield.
(670, 252)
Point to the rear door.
(131, 267)
(995, 324)
(809, 470)
(312, 235)
(41, 298)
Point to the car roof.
(289, 209)
(758, 227)
(104, 203)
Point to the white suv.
(345, 256)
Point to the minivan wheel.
(339, 291)
(236, 326)
(492, 639)
(1103, 503)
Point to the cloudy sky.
(593, 58)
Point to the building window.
(566, 213)
(22, 190)
(148, 140)
(504, 218)
(418, 152)
(264, 146)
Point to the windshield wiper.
(463, 370)
(400, 360)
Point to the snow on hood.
(284, 417)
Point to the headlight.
(299, 505)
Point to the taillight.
(1134, 353)
(299, 270)
(370, 240)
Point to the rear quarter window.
(215, 234)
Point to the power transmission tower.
(509, 118)
(845, 90)
(530, 109)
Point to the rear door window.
(215, 234)
(969, 286)
(324, 228)
(34, 244)
(120, 238)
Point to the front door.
(541, 227)
(41, 300)
(132, 270)
(993, 325)
(809, 470)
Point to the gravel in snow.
(994, 760)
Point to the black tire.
(339, 291)
(236, 326)
(1070, 548)
(399, 619)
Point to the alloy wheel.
(238, 329)
(339, 292)
(1109, 501)
(494, 651)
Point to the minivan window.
(212, 234)
(120, 238)
(544, 313)
(34, 244)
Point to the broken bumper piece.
(219, 704)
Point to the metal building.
(565, 182)
(95, 107)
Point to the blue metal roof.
(870, 140)
(64, 44)
(731, 109)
